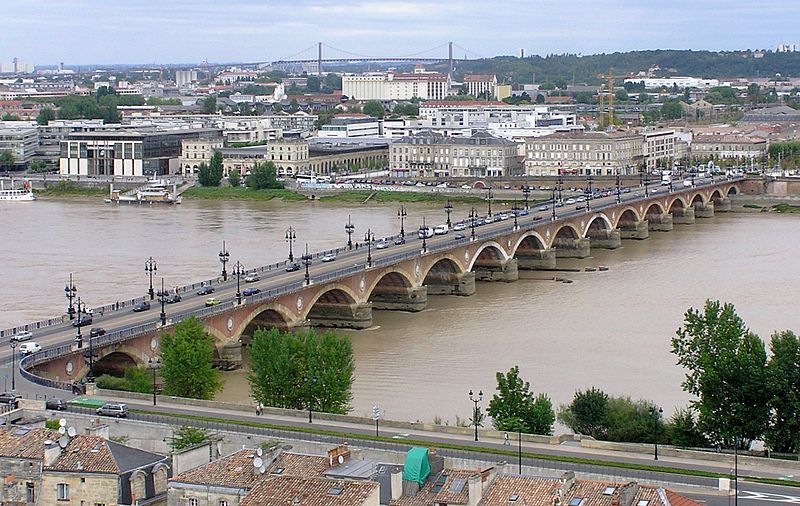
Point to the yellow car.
(212, 301)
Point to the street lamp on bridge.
(476, 411)
(515, 211)
(489, 197)
(560, 184)
(238, 271)
(81, 307)
(423, 231)
(13, 344)
(290, 238)
(307, 263)
(70, 292)
(224, 257)
(150, 266)
(619, 193)
(473, 218)
(553, 205)
(401, 215)
(368, 238)
(349, 228)
(526, 191)
(162, 298)
(448, 208)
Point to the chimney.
(338, 455)
(475, 490)
(96, 428)
(625, 495)
(566, 482)
(51, 452)
(396, 484)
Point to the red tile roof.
(235, 471)
(86, 454)
(310, 492)
(426, 496)
(25, 444)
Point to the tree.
(204, 174)
(633, 421)
(313, 84)
(38, 166)
(186, 436)
(671, 109)
(263, 177)
(7, 159)
(45, 115)
(406, 109)
(621, 95)
(727, 372)
(293, 106)
(514, 408)
(584, 97)
(783, 434)
(374, 109)
(210, 104)
(234, 179)
(587, 414)
(186, 356)
(215, 168)
(291, 369)
(10, 117)
(682, 430)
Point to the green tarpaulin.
(416, 468)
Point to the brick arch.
(488, 250)
(655, 206)
(715, 195)
(389, 280)
(678, 202)
(271, 307)
(598, 222)
(732, 190)
(444, 267)
(440, 260)
(567, 231)
(334, 293)
(698, 199)
(628, 217)
(529, 241)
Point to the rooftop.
(286, 491)
(448, 487)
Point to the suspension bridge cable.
(348, 53)
(472, 53)
(425, 51)
(292, 57)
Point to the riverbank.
(383, 196)
(240, 193)
(70, 189)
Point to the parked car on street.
(55, 403)
(142, 306)
(117, 409)
(9, 397)
(206, 290)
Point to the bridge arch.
(490, 252)
(698, 200)
(337, 305)
(530, 241)
(677, 203)
(566, 233)
(267, 315)
(654, 208)
(597, 223)
(732, 190)
(715, 196)
(627, 218)
(446, 268)
(389, 279)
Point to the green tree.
(682, 430)
(215, 169)
(587, 414)
(313, 84)
(374, 109)
(671, 109)
(263, 177)
(10, 117)
(633, 421)
(45, 115)
(210, 104)
(727, 371)
(294, 106)
(514, 407)
(291, 369)
(38, 166)
(621, 95)
(406, 109)
(7, 159)
(204, 174)
(783, 434)
(584, 97)
(234, 178)
(331, 83)
(186, 356)
(186, 436)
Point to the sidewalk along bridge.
(401, 278)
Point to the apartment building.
(479, 85)
(659, 149)
(197, 151)
(728, 146)
(397, 85)
(584, 153)
(20, 140)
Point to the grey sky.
(170, 31)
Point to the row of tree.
(262, 176)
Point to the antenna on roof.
(258, 462)
(62, 422)
(259, 452)
(63, 441)
(71, 432)
(262, 469)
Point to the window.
(62, 492)
(223, 502)
(30, 492)
(192, 502)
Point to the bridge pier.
(400, 298)
(660, 222)
(683, 216)
(605, 239)
(573, 248)
(457, 284)
(505, 271)
(536, 259)
(704, 211)
(722, 205)
(634, 230)
(230, 356)
(341, 316)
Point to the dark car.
(172, 299)
(400, 240)
(55, 403)
(9, 397)
(97, 331)
(142, 306)
(116, 409)
(82, 321)
(206, 290)
(294, 266)
(250, 291)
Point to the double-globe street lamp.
(448, 208)
(655, 414)
(526, 191)
(154, 363)
(368, 238)
(224, 258)
(150, 266)
(81, 307)
(423, 231)
(401, 215)
(163, 294)
(70, 292)
(473, 218)
(13, 344)
(489, 197)
(349, 228)
(307, 263)
(476, 411)
(309, 382)
(238, 270)
(290, 237)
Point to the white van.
(441, 229)
(425, 233)
(29, 347)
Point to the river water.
(607, 329)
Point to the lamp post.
(489, 197)
(349, 228)
(162, 298)
(473, 216)
(589, 193)
(78, 336)
(154, 363)
(14, 364)
(309, 382)
(553, 210)
(519, 448)
(515, 211)
(69, 291)
(646, 183)
(423, 230)
(656, 415)
(619, 193)
(475, 401)
(150, 266)
(224, 256)
(560, 184)
(307, 263)
(448, 208)
(238, 270)
(376, 415)
(290, 238)
(526, 191)
(401, 214)
(368, 238)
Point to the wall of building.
(88, 488)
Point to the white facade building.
(343, 126)
(397, 86)
(669, 82)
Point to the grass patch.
(752, 206)
(512, 454)
(240, 193)
(70, 189)
(359, 196)
(786, 208)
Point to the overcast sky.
(178, 31)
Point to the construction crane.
(610, 116)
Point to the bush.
(135, 380)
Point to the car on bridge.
(459, 237)
(330, 257)
(458, 227)
(173, 298)
(206, 290)
(82, 320)
(543, 208)
(212, 301)
(29, 347)
(117, 409)
(97, 331)
(22, 336)
(294, 266)
(382, 244)
(400, 240)
(247, 292)
(142, 306)
(251, 278)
